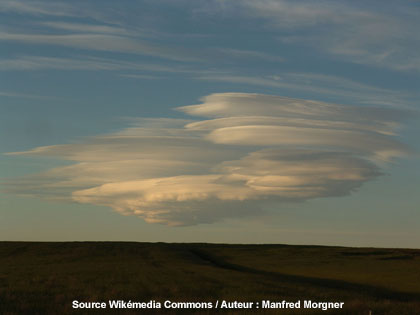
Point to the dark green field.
(44, 278)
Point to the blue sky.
(266, 121)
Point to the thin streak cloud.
(101, 42)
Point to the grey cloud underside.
(251, 150)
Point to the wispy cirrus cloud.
(37, 8)
(23, 95)
(318, 84)
(352, 31)
(355, 32)
(66, 26)
(101, 42)
(75, 63)
(248, 54)
(88, 28)
(250, 150)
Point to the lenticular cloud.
(246, 150)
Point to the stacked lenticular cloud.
(247, 150)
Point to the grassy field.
(44, 278)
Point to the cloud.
(302, 123)
(76, 63)
(23, 95)
(355, 32)
(248, 54)
(251, 150)
(364, 34)
(220, 105)
(88, 28)
(37, 8)
(317, 84)
(101, 42)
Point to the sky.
(226, 121)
